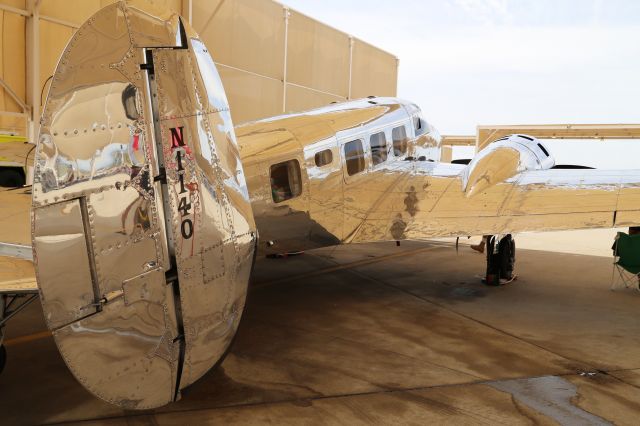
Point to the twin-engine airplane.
(146, 209)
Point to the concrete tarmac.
(379, 334)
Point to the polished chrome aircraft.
(143, 203)
(369, 170)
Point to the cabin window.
(286, 181)
(323, 158)
(419, 125)
(354, 157)
(378, 142)
(399, 135)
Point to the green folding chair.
(626, 252)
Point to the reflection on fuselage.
(385, 181)
(338, 150)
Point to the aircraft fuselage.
(369, 170)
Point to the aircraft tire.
(3, 357)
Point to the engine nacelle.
(503, 159)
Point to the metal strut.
(7, 312)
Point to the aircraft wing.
(544, 200)
(17, 275)
(15, 151)
(15, 207)
(510, 188)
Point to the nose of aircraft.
(143, 234)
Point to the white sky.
(469, 62)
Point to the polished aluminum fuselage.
(414, 196)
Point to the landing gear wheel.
(3, 357)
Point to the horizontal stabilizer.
(17, 276)
(19, 251)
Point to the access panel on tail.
(143, 235)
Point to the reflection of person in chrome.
(131, 111)
(139, 220)
(279, 193)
